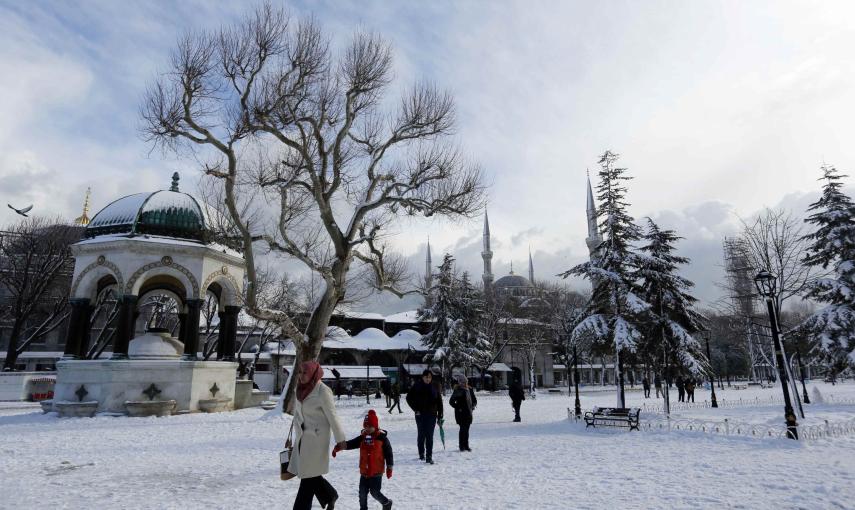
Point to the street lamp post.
(765, 283)
(805, 397)
(713, 401)
(367, 378)
(576, 382)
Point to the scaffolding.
(739, 276)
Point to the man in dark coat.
(657, 383)
(396, 398)
(463, 401)
(681, 389)
(645, 383)
(517, 396)
(425, 399)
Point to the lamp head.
(765, 283)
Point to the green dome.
(167, 213)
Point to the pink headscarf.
(309, 367)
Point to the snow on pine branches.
(833, 245)
(639, 302)
(614, 313)
(456, 310)
(672, 317)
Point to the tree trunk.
(12, 352)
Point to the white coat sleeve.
(328, 405)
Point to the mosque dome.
(511, 281)
(168, 213)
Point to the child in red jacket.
(375, 453)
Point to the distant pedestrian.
(517, 396)
(681, 389)
(645, 383)
(657, 383)
(385, 387)
(349, 390)
(396, 398)
(338, 389)
(463, 401)
(690, 389)
(425, 399)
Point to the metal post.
(367, 378)
(805, 397)
(714, 402)
(621, 396)
(789, 414)
(576, 382)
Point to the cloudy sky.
(718, 108)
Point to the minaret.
(594, 238)
(428, 277)
(530, 267)
(428, 267)
(83, 219)
(487, 255)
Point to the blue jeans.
(425, 423)
(371, 485)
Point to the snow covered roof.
(499, 367)
(364, 315)
(167, 213)
(353, 371)
(373, 339)
(408, 317)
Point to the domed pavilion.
(149, 244)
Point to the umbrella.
(442, 432)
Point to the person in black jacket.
(517, 396)
(425, 399)
(463, 401)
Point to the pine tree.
(615, 311)
(456, 312)
(672, 318)
(833, 245)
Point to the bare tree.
(272, 112)
(35, 271)
(774, 242)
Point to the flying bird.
(23, 212)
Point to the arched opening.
(102, 321)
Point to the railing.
(726, 404)
(826, 430)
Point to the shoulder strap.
(290, 434)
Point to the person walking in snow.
(315, 420)
(425, 399)
(396, 398)
(690, 389)
(517, 396)
(657, 383)
(375, 457)
(645, 383)
(463, 401)
(681, 389)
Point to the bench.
(739, 386)
(613, 417)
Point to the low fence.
(742, 402)
(826, 430)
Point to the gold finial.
(83, 219)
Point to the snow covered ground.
(229, 460)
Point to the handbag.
(285, 457)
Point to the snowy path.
(230, 460)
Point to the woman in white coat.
(314, 420)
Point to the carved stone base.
(214, 405)
(76, 409)
(47, 405)
(138, 408)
